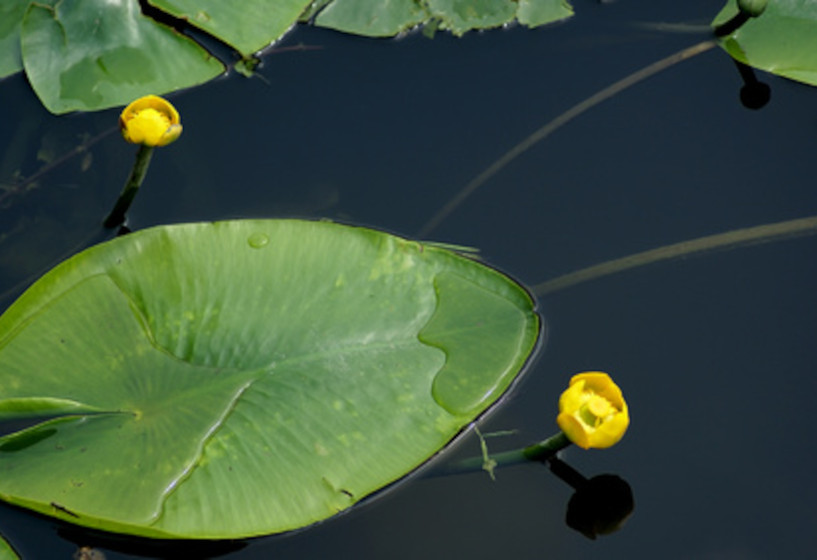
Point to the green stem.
(137, 175)
(537, 452)
(554, 125)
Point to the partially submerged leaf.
(782, 40)
(249, 377)
(76, 62)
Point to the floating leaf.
(782, 40)
(77, 62)
(247, 377)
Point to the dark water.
(715, 354)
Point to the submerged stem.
(729, 239)
(555, 124)
(137, 175)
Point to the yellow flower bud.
(150, 121)
(592, 411)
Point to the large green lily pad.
(241, 378)
(782, 40)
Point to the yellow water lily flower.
(150, 121)
(592, 411)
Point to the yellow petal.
(151, 121)
(575, 430)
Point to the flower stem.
(541, 451)
(137, 175)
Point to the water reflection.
(754, 94)
(600, 505)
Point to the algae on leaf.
(249, 377)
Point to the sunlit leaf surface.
(248, 377)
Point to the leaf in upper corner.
(241, 378)
(782, 40)
(76, 62)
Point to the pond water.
(715, 354)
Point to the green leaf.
(248, 25)
(77, 62)
(372, 18)
(11, 14)
(782, 40)
(247, 377)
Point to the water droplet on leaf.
(258, 240)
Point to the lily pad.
(77, 62)
(782, 40)
(240, 378)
